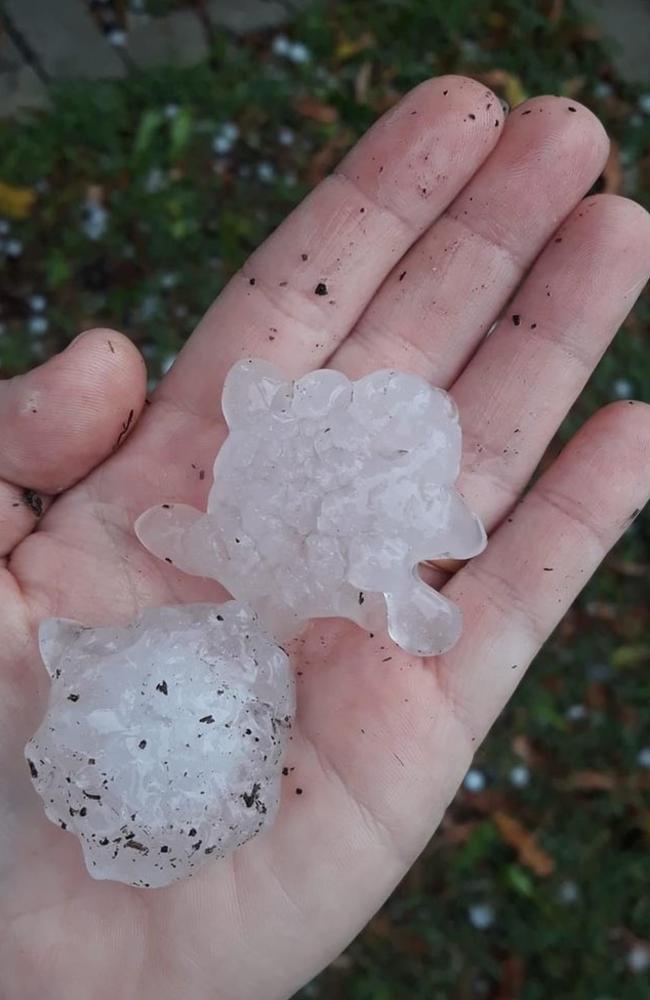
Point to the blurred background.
(146, 147)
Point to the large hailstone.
(162, 741)
(327, 495)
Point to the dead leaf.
(309, 107)
(16, 202)
(631, 569)
(573, 87)
(525, 844)
(590, 781)
(528, 752)
(349, 47)
(454, 833)
(604, 611)
(613, 170)
(513, 974)
(510, 85)
(95, 193)
(362, 82)
(556, 11)
(597, 696)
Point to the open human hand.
(441, 221)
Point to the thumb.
(64, 417)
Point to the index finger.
(300, 294)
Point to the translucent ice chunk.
(162, 743)
(327, 494)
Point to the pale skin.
(441, 220)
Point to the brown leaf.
(309, 107)
(631, 569)
(513, 974)
(528, 752)
(556, 11)
(590, 781)
(525, 844)
(613, 171)
(597, 696)
(454, 833)
(362, 82)
(604, 611)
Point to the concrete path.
(47, 40)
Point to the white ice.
(327, 496)
(162, 743)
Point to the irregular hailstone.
(162, 741)
(327, 495)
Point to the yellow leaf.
(510, 85)
(629, 656)
(16, 202)
(349, 47)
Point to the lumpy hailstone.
(162, 741)
(327, 495)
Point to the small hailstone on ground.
(4, 227)
(94, 220)
(155, 180)
(149, 306)
(603, 89)
(37, 303)
(281, 45)
(481, 916)
(266, 172)
(568, 892)
(638, 957)
(327, 495)
(576, 713)
(623, 388)
(168, 279)
(298, 53)
(38, 325)
(643, 757)
(162, 742)
(170, 110)
(286, 136)
(117, 37)
(520, 776)
(644, 103)
(474, 780)
(13, 248)
(225, 138)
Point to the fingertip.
(568, 115)
(478, 104)
(113, 350)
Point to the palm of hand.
(422, 237)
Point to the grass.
(128, 217)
